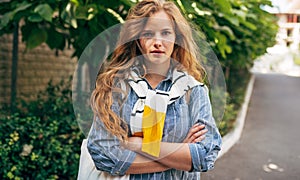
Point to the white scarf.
(149, 112)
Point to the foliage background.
(237, 30)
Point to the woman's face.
(157, 39)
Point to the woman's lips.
(157, 52)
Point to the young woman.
(153, 117)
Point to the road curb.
(234, 135)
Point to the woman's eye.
(147, 35)
(165, 33)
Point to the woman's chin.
(158, 59)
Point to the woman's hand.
(196, 134)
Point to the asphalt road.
(269, 148)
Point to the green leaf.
(22, 6)
(75, 2)
(36, 37)
(74, 23)
(26, 30)
(55, 39)
(35, 18)
(116, 15)
(5, 19)
(249, 25)
(186, 6)
(240, 13)
(68, 15)
(232, 19)
(86, 12)
(181, 5)
(45, 11)
(227, 30)
(222, 45)
(224, 5)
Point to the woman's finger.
(195, 129)
(198, 133)
(199, 139)
(194, 133)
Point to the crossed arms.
(197, 152)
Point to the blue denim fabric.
(181, 115)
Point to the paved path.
(269, 148)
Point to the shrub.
(227, 123)
(42, 140)
(237, 83)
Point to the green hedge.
(237, 85)
(42, 140)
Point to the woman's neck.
(158, 69)
(154, 79)
(156, 73)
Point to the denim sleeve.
(204, 153)
(106, 151)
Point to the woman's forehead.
(159, 20)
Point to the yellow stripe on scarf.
(153, 125)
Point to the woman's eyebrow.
(147, 30)
(163, 29)
(167, 29)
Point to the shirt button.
(117, 172)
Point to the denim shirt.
(110, 156)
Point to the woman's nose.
(158, 41)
